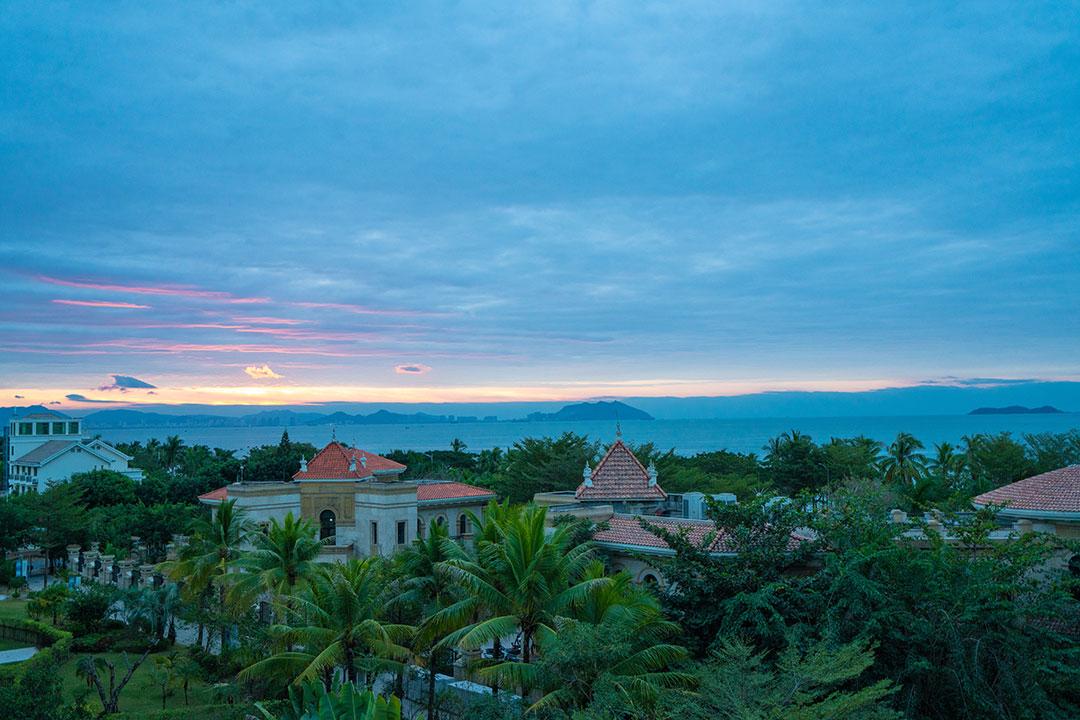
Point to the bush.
(239, 711)
(87, 612)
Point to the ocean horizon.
(687, 437)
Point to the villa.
(44, 448)
(359, 502)
(618, 494)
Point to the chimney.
(652, 475)
(587, 475)
(303, 463)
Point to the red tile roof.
(333, 462)
(449, 491)
(219, 495)
(627, 530)
(620, 476)
(1057, 491)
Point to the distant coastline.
(1017, 410)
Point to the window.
(462, 525)
(374, 533)
(441, 520)
(401, 532)
(42, 429)
(73, 428)
(327, 524)
(58, 428)
(26, 428)
(419, 529)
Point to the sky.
(264, 203)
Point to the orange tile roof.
(333, 461)
(1057, 491)
(627, 530)
(620, 476)
(449, 491)
(219, 495)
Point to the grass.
(11, 644)
(13, 609)
(140, 694)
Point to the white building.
(43, 448)
(359, 502)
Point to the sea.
(687, 437)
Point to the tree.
(100, 488)
(536, 465)
(525, 581)
(903, 463)
(170, 452)
(109, 689)
(821, 682)
(59, 521)
(313, 701)
(429, 586)
(162, 674)
(336, 624)
(281, 560)
(49, 601)
(214, 546)
(793, 462)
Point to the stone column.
(73, 558)
(89, 567)
(124, 577)
(899, 516)
(95, 547)
(146, 576)
(105, 575)
(170, 551)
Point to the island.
(1016, 410)
(599, 410)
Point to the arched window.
(462, 525)
(327, 524)
(441, 520)
(650, 580)
(419, 529)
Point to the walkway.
(16, 655)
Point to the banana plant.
(312, 701)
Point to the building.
(618, 494)
(1048, 503)
(48, 447)
(359, 502)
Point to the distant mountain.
(1015, 410)
(614, 410)
(266, 418)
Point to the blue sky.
(251, 202)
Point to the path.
(16, 655)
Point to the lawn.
(13, 609)
(11, 644)
(139, 695)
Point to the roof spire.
(333, 433)
(586, 474)
(303, 463)
(618, 430)
(352, 463)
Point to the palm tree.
(525, 582)
(904, 463)
(215, 545)
(336, 623)
(947, 463)
(170, 451)
(429, 586)
(282, 560)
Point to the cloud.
(55, 402)
(20, 397)
(103, 304)
(412, 369)
(83, 399)
(187, 291)
(123, 383)
(261, 373)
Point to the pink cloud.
(261, 373)
(103, 304)
(358, 309)
(264, 320)
(170, 290)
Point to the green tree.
(525, 581)
(99, 488)
(281, 561)
(48, 602)
(336, 624)
(537, 465)
(60, 521)
(904, 464)
(793, 463)
(817, 683)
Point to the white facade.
(45, 448)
